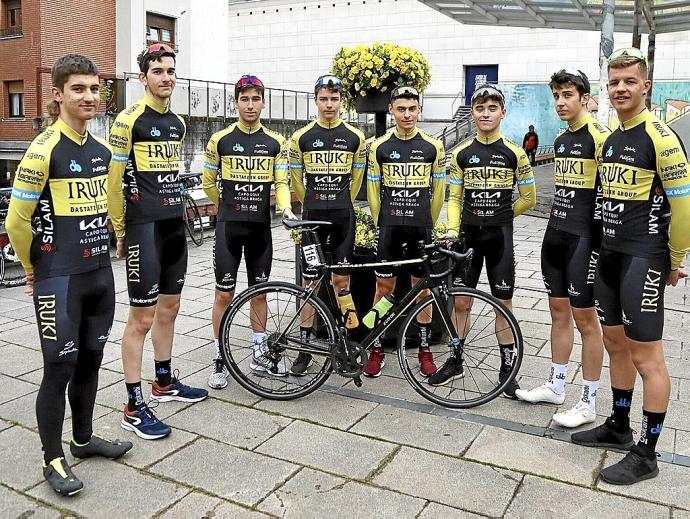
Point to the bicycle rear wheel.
(192, 221)
(282, 327)
(478, 380)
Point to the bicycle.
(333, 350)
(7, 254)
(192, 218)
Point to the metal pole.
(636, 35)
(225, 102)
(608, 8)
(651, 47)
(189, 97)
(208, 104)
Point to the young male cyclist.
(406, 184)
(570, 249)
(146, 207)
(483, 174)
(646, 236)
(63, 180)
(327, 160)
(247, 159)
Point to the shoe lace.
(218, 367)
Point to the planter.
(373, 102)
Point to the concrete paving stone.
(678, 415)
(242, 476)
(205, 332)
(202, 354)
(672, 348)
(437, 511)
(186, 323)
(121, 312)
(18, 360)
(11, 388)
(189, 307)
(239, 426)
(315, 494)
(114, 490)
(335, 451)
(436, 433)
(323, 407)
(679, 368)
(26, 335)
(16, 323)
(534, 330)
(14, 504)
(196, 504)
(186, 367)
(516, 411)
(181, 344)
(24, 313)
(542, 498)
(450, 481)
(680, 514)
(392, 387)
(193, 280)
(537, 455)
(197, 294)
(540, 367)
(20, 452)
(106, 377)
(683, 443)
(14, 299)
(5, 425)
(232, 393)
(670, 487)
(115, 397)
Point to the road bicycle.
(8, 258)
(192, 218)
(470, 331)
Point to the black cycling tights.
(82, 376)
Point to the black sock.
(506, 356)
(424, 334)
(135, 398)
(622, 400)
(652, 423)
(304, 333)
(163, 374)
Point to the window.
(12, 18)
(160, 28)
(15, 91)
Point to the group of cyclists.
(617, 235)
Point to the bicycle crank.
(348, 359)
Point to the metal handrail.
(452, 105)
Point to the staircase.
(461, 112)
(457, 132)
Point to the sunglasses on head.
(572, 72)
(628, 51)
(328, 81)
(248, 80)
(404, 91)
(158, 47)
(487, 91)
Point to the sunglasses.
(248, 80)
(158, 47)
(328, 81)
(404, 91)
(573, 72)
(628, 51)
(488, 91)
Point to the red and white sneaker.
(426, 362)
(375, 363)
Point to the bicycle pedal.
(358, 381)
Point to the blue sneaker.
(177, 391)
(144, 423)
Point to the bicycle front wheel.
(192, 221)
(474, 373)
(268, 369)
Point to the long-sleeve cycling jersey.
(146, 139)
(577, 198)
(406, 179)
(327, 161)
(249, 160)
(483, 174)
(63, 180)
(646, 185)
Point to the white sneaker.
(580, 414)
(262, 362)
(218, 379)
(543, 393)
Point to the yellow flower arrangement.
(379, 67)
(365, 231)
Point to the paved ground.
(378, 451)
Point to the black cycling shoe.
(636, 466)
(98, 446)
(452, 369)
(60, 477)
(301, 364)
(604, 436)
(509, 391)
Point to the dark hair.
(479, 99)
(145, 58)
(241, 90)
(576, 78)
(62, 69)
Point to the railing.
(10, 32)
(453, 109)
(456, 132)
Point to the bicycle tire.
(479, 354)
(191, 224)
(236, 345)
(2, 268)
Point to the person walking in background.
(530, 143)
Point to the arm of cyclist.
(359, 163)
(374, 185)
(438, 182)
(120, 141)
(457, 188)
(210, 170)
(527, 198)
(296, 165)
(281, 175)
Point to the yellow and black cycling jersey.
(483, 174)
(146, 139)
(406, 179)
(62, 179)
(577, 200)
(327, 161)
(646, 185)
(247, 160)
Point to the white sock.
(258, 337)
(589, 393)
(557, 380)
(217, 347)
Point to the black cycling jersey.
(249, 160)
(577, 200)
(62, 179)
(406, 179)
